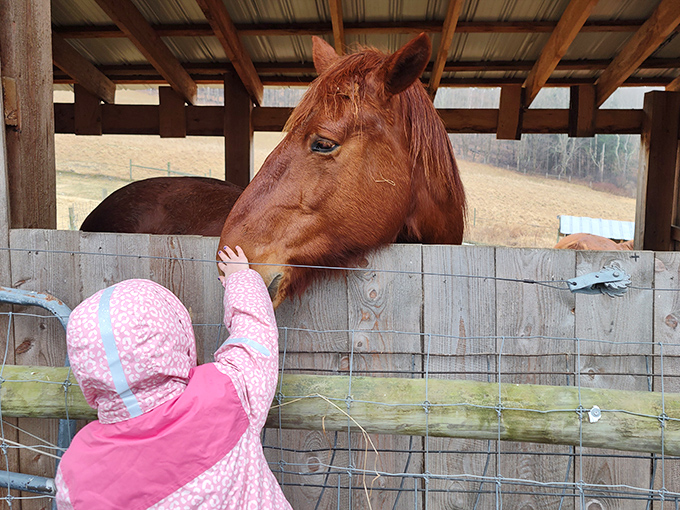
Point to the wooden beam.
(172, 120)
(67, 59)
(582, 110)
(335, 7)
(26, 56)
(641, 45)
(656, 209)
(568, 27)
(238, 132)
(131, 22)
(510, 112)
(448, 29)
(674, 86)
(10, 102)
(363, 28)
(87, 112)
(225, 31)
(209, 120)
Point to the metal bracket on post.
(611, 280)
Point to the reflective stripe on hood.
(131, 347)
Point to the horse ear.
(406, 65)
(323, 53)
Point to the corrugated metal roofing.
(611, 229)
(466, 47)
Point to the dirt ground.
(505, 208)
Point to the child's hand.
(231, 262)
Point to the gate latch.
(611, 280)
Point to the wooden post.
(87, 112)
(238, 131)
(172, 118)
(658, 179)
(510, 113)
(26, 56)
(582, 110)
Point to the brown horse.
(166, 205)
(583, 241)
(366, 162)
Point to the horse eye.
(323, 145)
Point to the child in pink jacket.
(171, 434)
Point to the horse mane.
(345, 85)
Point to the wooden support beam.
(335, 7)
(674, 86)
(238, 132)
(448, 29)
(133, 24)
(67, 59)
(510, 113)
(225, 31)
(209, 120)
(582, 110)
(172, 119)
(568, 27)
(656, 209)
(26, 56)
(87, 112)
(641, 45)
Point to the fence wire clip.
(611, 280)
(594, 414)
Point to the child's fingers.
(222, 255)
(239, 252)
(230, 252)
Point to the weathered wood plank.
(384, 312)
(313, 339)
(666, 354)
(459, 327)
(615, 352)
(50, 266)
(533, 322)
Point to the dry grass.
(505, 208)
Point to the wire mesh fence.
(435, 377)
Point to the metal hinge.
(611, 280)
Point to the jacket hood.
(131, 348)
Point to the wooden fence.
(444, 312)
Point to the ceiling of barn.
(495, 42)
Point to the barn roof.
(475, 42)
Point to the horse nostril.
(273, 286)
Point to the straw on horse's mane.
(346, 85)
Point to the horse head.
(366, 162)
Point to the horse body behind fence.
(582, 241)
(366, 162)
(166, 205)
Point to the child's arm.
(250, 354)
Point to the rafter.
(131, 22)
(674, 86)
(448, 29)
(338, 26)
(66, 58)
(225, 31)
(642, 44)
(568, 27)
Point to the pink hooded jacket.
(171, 434)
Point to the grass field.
(505, 208)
